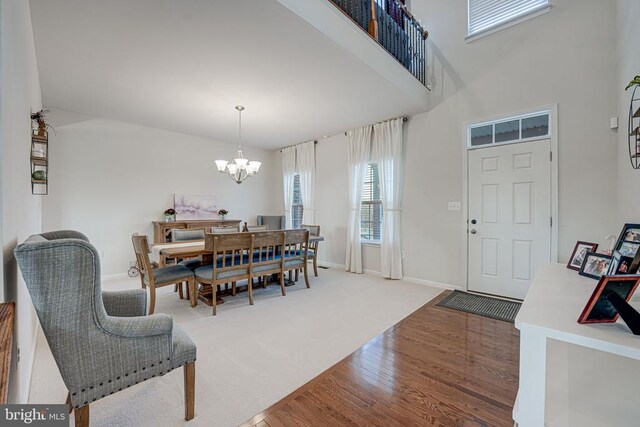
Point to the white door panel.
(510, 201)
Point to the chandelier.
(239, 168)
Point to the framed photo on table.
(595, 265)
(628, 245)
(579, 254)
(598, 308)
(621, 265)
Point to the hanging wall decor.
(634, 123)
(40, 154)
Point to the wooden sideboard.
(162, 229)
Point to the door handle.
(473, 231)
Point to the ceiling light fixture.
(240, 168)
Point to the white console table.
(550, 311)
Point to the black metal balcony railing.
(390, 24)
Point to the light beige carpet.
(249, 357)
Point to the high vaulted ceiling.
(184, 65)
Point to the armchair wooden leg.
(152, 299)
(233, 289)
(315, 264)
(82, 416)
(297, 277)
(188, 291)
(193, 292)
(68, 402)
(189, 390)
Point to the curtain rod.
(404, 120)
(315, 142)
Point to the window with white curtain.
(486, 15)
(371, 215)
(296, 206)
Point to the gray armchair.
(273, 222)
(102, 342)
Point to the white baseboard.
(406, 279)
(433, 284)
(24, 393)
(330, 264)
(117, 276)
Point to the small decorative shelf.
(634, 129)
(40, 163)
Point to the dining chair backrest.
(267, 245)
(273, 222)
(230, 251)
(257, 228)
(187, 235)
(296, 244)
(141, 249)
(224, 230)
(267, 251)
(314, 230)
(230, 242)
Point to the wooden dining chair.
(181, 235)
(295, 252)
(225, 230)
(156, 278)
(314, 230)
(267, 257)
(232, 259)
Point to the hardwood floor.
(437, 367)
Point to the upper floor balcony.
(392, 25)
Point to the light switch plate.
(454, 206)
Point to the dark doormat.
(484, 306)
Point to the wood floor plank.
(437, 367)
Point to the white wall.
(628, 68)
(20, 209)
(109, 179)
(564, 57)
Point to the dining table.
(162, 252)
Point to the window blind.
(296, 207)
(487, 14)
(371, 213)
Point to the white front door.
(509, 216)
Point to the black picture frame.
(621, 265)
(635, 264)
(629, 235)
(589, 269)
(599, 309)
(576, 259)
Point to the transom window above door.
(511, 130)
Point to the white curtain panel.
(358, 155)
(387, 151)
(288, 172)
(306, 154)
